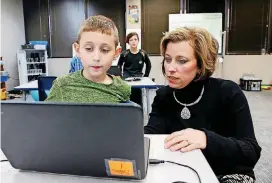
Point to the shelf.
(33, 49)
(35, 62)
(35, 74)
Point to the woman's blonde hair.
(204, 44)
(99, 23)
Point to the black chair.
(115, 70)
(44, 84)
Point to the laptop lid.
(100, 140)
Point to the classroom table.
(147, 86)
(32, 85)
(161, 173)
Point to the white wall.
(233, 68)
(13, 36)
(58, 66)
(236, 65)
(133, 27)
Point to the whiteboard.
(209, 21)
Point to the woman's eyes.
(182, 61)
(168, 60)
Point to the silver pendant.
(185, 113)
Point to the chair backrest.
(44, 84)
(115, 70)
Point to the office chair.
(44, 85)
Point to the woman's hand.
(186, 140)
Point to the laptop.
(98, 140)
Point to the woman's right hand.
(186, 140)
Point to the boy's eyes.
(133, 39)
(89, 49)
(103, 50)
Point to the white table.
(32, 85)
(162, 173)
(145, 84)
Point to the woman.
(200, 112)
(133, 59)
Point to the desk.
(143, 83)
(146, 85)
(32, 85)
(162, 173)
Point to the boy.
(97, 47)
(133, 59)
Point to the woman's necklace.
(185, 113)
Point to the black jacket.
(222, 113)
(134, 63)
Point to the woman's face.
(180, 64)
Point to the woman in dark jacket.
(201, 112)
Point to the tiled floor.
(261, 109)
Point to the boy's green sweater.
(75, 88)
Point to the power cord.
(156, 161)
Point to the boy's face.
(133, 41)
(96, 51)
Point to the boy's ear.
(117, 52)
(76, 48)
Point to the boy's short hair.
(130, 35)
(99, 23)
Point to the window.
(58, 21)
(207, 6)
(155, 22)
(114, 10)
(65, 20)
(248, 32)
(245, 21)
(270, 45)
(270, 29)
(36, 27)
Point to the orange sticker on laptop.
(118, 167)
